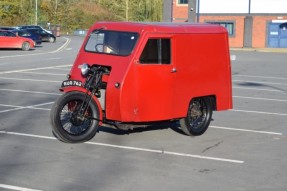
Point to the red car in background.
(11, 40)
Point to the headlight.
(85, 68)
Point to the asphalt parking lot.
(243, 150)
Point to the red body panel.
(14, 42)
(200, 66)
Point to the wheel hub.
(195, 111)
(77, 119)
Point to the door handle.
(173, 70)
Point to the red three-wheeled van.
(130, 74)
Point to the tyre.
(67, 125)
(26, 46)
(51, 39)
(198, 117)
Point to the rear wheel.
(26, 46)
(51, 39)
(198, 116)
(67, 124)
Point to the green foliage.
(77, 14)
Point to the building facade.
(250, 23)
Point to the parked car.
(24, 33)
(9, 39)
(7, 28)
(33, 27)
(45, 35)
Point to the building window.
(156, 51)
(228, 25)
(182, 1)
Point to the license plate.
(67, 83)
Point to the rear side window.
(9, 34)
(156, 51)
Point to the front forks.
(92, 86)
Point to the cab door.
(155, 77)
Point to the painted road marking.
(246, 130)
(68, 69)
(33, 69)
(32, 80)
(32, 92)
(267, 77)
(41, 73)
(10, 187)
(258, 98)
(58, 58)
(258, 112)
(25, 107)
(134, 148)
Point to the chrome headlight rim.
(85, 68)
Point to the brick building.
(250, 23)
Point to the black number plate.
(67, 83)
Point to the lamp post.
(197, 10)
(36, 12)
(249, 7)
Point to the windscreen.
(111, 42)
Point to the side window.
(182, 1)
(228, 25)
(10, 34)
(156, 51)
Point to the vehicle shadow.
(252, 84)
(18, 49)
(153, 127)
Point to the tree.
(78, 14)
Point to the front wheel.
(68, 124)
(198, 116)
(52, 39)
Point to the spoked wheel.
(198, 117)
(68, 124)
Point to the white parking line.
(246, 130)
(25, 107)
(258, 98)
(259, 112)
(32, 80)
(62, 69)
(54, 58)
(16, 188)
(135, 148)
(267, 77)
(41, 73)
(33, 69)
(32, 92)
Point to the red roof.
(160, 27)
